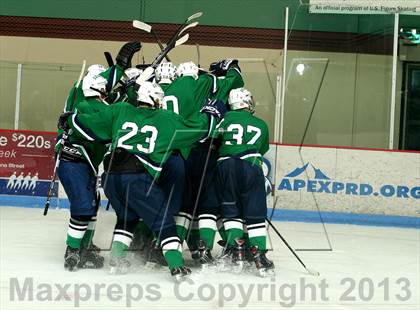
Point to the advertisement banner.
(26, 162)
(348, 180)
(411, 7)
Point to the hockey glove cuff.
(219, 68)
(215, 107)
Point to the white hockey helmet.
(94, 86)
(95, 69)
(165, 72)
(130, 74)
(241, 98)
(150, 93)
(188, 69)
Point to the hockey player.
(112, 75)
(126, 92)
(185, 96)
(171, 181)
(80, 161)
(240, 180)
(199, 195)
(144, 243)
(77, 173)
(142, 138)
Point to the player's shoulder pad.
(167, 114)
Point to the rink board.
(347, 180)
(310, 183)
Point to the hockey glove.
(62, 121)
(219, 68)
(126, 54)
(214, 107)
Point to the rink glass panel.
(8, 75)
(353, 104)
(44, 91)
(262, 84)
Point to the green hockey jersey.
(150, 134)
(186, 96)
(112, 74)
(93, 153)
(242, 135)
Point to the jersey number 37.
(238, 133)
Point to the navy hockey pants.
(173, 175)
(241, 190)
(201, 197)
(136, 195)
(79, 182)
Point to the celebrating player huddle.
(182, 154)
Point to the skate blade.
(222, 267)
(151, 265)
(228, 266)
(238, 267)
(71, 269)
(89, 265)
(118, 270)
(208, 268)
(265, 273)
(181, 277)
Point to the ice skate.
(139, 247)
(155, 257)
(140, 242)
(71, 259)
(265, 267)
(90, 258)
(119, 265)
(233, 257)
(205, 259)
(195, 256)
(179, 274)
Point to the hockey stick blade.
(142, 26)
(182, 40)
(194, 16)
(148, 28)
(312, 272)
(175, 40)
(109, 59)
(187, 27)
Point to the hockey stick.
(175, 41)
(109, 59)
(198, 54)
(169, 47)
(57, 160)
(148, 72)
(146, 27)
(310, 271)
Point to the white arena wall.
(312, 184)
(332, 184)
(346, 180)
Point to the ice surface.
(379, 261)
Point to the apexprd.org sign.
(311, 179)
